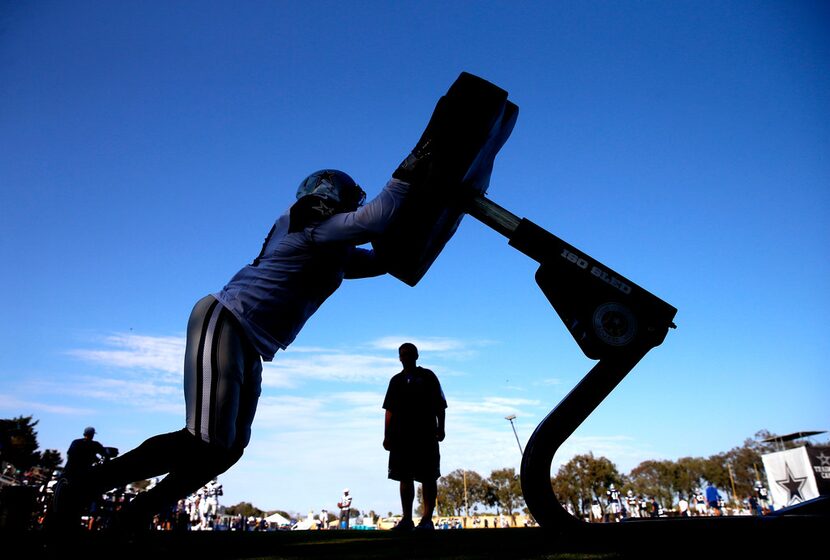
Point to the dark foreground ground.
(743, 539)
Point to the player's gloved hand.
(416, 166)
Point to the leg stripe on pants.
(206, 372)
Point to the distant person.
(632, 503)
(82, 454)
(414, 426)
(683, 506)
(310, 249)
(69, 504)
(614, 505)
(713, 500)
(763, 497)
(754, 505)
(700, 502)
(596, 511)
(345, 505)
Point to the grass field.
(787, 536)
(533, 543)
(726, 538)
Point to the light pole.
(466, 504)
(732, 479)
(510, 418)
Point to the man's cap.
(89, 431)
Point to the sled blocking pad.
(468, 127)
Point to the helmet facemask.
(323, 194)
(338, 191)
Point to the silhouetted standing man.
(415, 409)
(82, 454)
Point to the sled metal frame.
(586, 286)
(589, 392)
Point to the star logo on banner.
(825, 459)
(792, 485)
(323, 209)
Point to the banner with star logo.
(790, 477)
(820, 462)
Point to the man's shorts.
(419, 462)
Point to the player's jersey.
(296, 272)
(632, 503)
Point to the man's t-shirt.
(414, 398)
(81, 455)
(712, 495)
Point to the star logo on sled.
(322, 209)
(792, 485)
(825, 460)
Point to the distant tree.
(244, 508)
(744, 462)
(584, 478)
(654, 479)
(687, 474)
(451, 492)
(507, 490)
(715, 470)
(51, 459)
(476, 490)
(18, 442)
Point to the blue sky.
(147, 147)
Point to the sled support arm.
(612, 320)
(494, 216)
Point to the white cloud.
(133, 351)
(16, 405)
(492, 405)
(316, 427)
(549, 381)
(426, 344)
(129, 392)
(288, 369)
(451, 348)
(165, 354)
